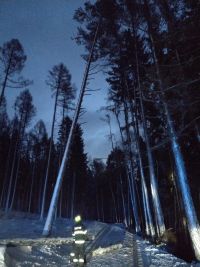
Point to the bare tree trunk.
(154, 187)
(197, 131)
(114, 203)
(147, 225)
(131, 170)
(11, 175)
(123, 202)
(149, 220)
(143, 180)
(59, 163)
(111, 138)
(129, 209)
(110, 131)
(15, 184)
(48, 224)
(3, 194)
(7, 172)
(192, 221)
(129, 179)
(22, 127)
(147, 211)
(102, 205)
(73, 195)
(97, 204)
(49, 158)
(39, 197)
(31, 191)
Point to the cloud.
(96, 134)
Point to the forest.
(149, 51)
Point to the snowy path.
(101, 251)
(96, 242)
(112, 246)
(122, 256)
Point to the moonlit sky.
(45, 29)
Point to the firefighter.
(79, 234)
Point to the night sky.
(45, 28)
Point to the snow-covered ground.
(21, 245)
(155, 256)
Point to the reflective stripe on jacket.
(79, 234)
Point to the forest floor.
(110, 245)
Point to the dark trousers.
(79, 251)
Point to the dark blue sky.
(45, 28)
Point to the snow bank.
(101, 251)
(2, 254)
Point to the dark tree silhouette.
(12, 60)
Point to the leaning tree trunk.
(54, 200)
(147, 225)
(154, 190)
(131, 175)
(197, 131)
(49, 158)
(143, 182)
(130, 178)
(147, 210)
(192, 221)
(154, 187)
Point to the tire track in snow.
(138, 259)
(95, 243)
